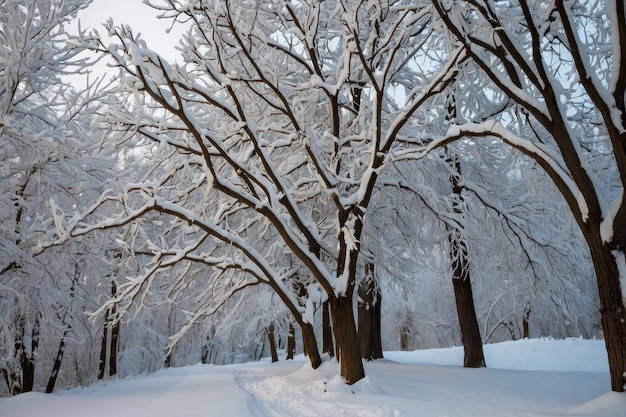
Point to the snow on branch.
(549, 162)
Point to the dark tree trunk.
(348, 351)
(612, 314)
(28, 359)
(470, 332)
(525, 325)
(327, 331)
(291, 342)
(115, 332)
(369, 319)
(310, 345)
(57, 364)
(103, 346)
(270, 336)
(108, 347)
(58, 360)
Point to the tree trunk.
(5, 374)
(115, 332)
(525, 325)
(327, 331)
(348, 351)
(310, 345)
(270, 336)
(369, 311)
(309, 341)
(612, 314)
(103, 346)
(404, 337)
(466, 312)
(60, 353)
(57, 364)
(16, 383)
(28, 358)
(291, 342)
(470, 333)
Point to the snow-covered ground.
(525, 378)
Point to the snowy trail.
(310, 393)
(197, 391)
(394, 389)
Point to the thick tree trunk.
(470, 333)
(466, 312)
(369, 316)
(348, 351)
(612, 314)
(327, 331)
(291, 342)
(270, 336)
(310, 345)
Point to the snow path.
(394, 389)
(309, 393)
(164, 393)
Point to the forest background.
(372, 175)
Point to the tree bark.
(348, 351)
(103, 346)
(470, 332)
(525, 324)
(28, 359)
(466, 312)
(291, 342)
(612, 314)
(369, 316)
(270, 336)
(57, 364)
(115, 332)
(404, 337)
(463, 296)
(327, 331)
(310, 345)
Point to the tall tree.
(461, 282)
(45, 156)
(246, 152)
(550, 60)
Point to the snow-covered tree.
(262, 168)
(558, 68)
(45, 156)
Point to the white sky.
(140, 17)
